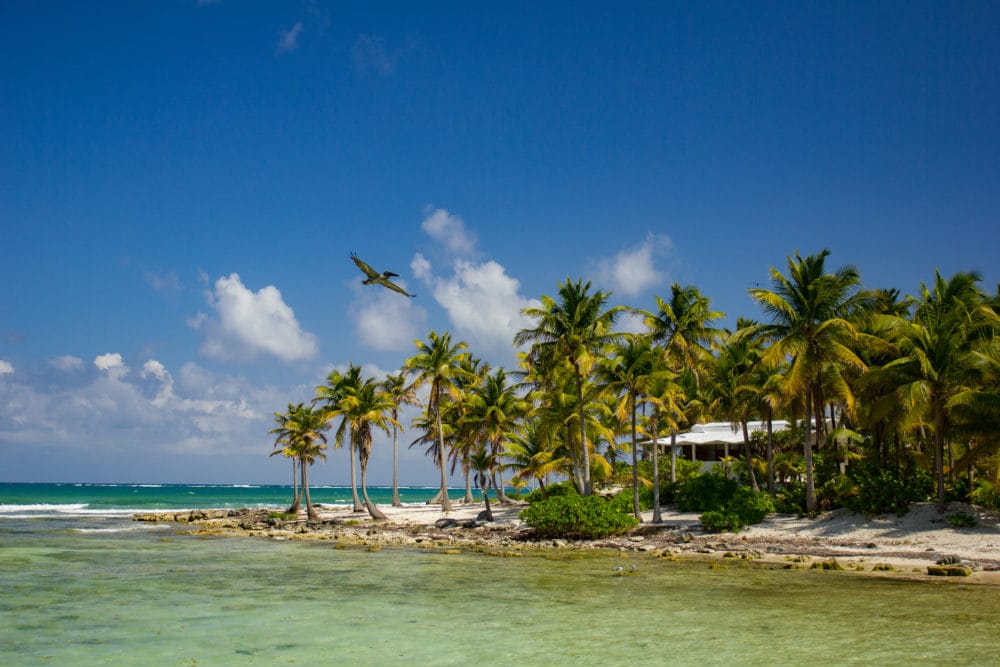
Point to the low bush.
(720, 522)
(551, 491)
(884, 490)
(580, 517)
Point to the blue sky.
(181, 185)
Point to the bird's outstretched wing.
(367, 270)
(385, 282)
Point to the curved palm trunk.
(373, 511)
(939, 447)
(296, 493)
(396, 502)
(486, 498)
(502, 497)
(657, 517)
(467, 472)
(635, 469)
(770, 453)
(587, 488)
(808, 453)
(310, 512)
(358, 507)
(445, 503)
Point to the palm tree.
(400, 394)
(573, 328)
(627, 374)
(338, 387)
(811, 312)
(733, 393)
(531, 453)
(439, 363)
(367, 406)
(283, 445)
(483, 462)
(664, 395)
(936, 353)
(682, 326)
(302, 428)
(494, 409)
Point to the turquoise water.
(99, 589)
(82, 499)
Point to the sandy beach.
(888, 544)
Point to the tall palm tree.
(733, 394)
(284, 445)
(494, 410)
(682, 325)
(438, 363)
(400, 393)
(626, 374)
(664, 395)
(367, 406)
(936, 353)
(332, 395)
(573, 328)
(531, 452)
(302, 428)
(483, 462)
(811, 326)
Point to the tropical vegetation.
(892, 399)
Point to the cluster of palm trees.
(883, 375)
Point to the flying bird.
(376, 278)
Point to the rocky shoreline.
(680, 536)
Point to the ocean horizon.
(31, 499)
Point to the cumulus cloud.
(67, 362)
(248, 323)
(634, 269)
(449, 230)
(112, 364)
(288, 40)
(6, 368)
(384, 320)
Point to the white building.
(711, 442)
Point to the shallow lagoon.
(108, 591)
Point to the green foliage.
(884, 490)
(720, 522)
(704, 493)
(986, 494)
(580, 517)
(726, 505)
(790, 498)
(551, 491)
(962, 520)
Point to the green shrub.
(790, 498)
(705, 493)
(720, 522)
(551, 491)
(580, 517)
(882, 490)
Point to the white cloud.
(631, 322)
(449, 230)
(67, 363)
(249, 323)
(6, 368)
(421, 267)
(635, 269)
(483, 304)
(288, 40)
(112, 364)
(385, 320)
